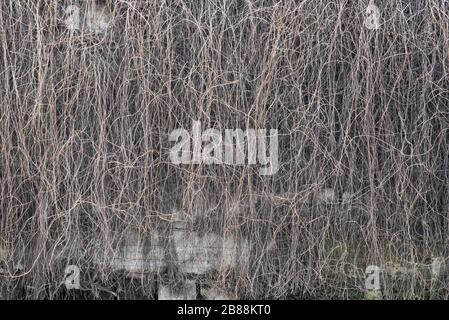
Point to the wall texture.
(89, 93)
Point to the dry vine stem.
(85, 115)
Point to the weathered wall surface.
(90, 92)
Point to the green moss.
(373, 295)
